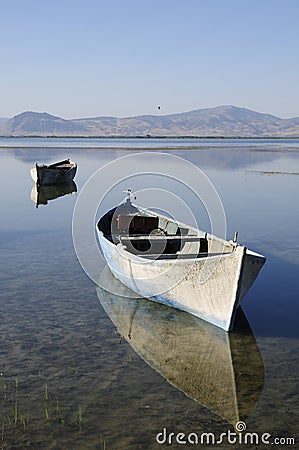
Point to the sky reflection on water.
(55, 332)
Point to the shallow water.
(69, 380)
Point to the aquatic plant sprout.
(161, 182)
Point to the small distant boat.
(176, 264)
(41, 195)
(60, 172)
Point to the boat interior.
(144, 233)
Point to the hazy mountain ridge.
(226, 121)
(39, 124)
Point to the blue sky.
(85, 58)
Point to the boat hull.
(214, 297)
(43, 175)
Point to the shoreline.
(262, 138)
(157, 149)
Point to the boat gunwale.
(180, 259)
(121, 249)
(61, 165)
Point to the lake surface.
(81, 370)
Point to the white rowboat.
(176, 264)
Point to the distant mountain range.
(221, 121)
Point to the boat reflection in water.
(41, 195)
(222, 371)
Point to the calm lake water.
(80, 369)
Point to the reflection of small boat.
(40, 195)
(60, 172)
(222, 371)
(176, 264)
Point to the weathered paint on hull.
(44, 175)
(215, 300)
